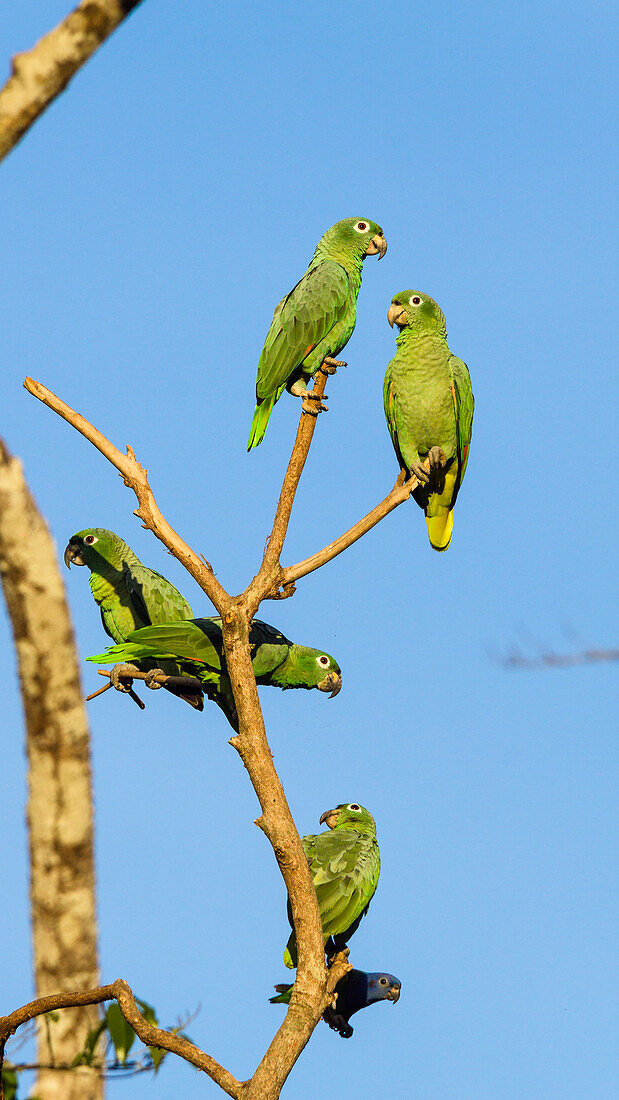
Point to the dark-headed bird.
(356, 990)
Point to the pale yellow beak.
(397, 316)
(330, 818)
(332, 683)
(377, 246)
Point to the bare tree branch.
(300, 450)
(400, 492)
(135, 477)
(39, 75)
(150, 1036)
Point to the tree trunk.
(60, 807)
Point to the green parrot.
(129, 595)
(429, 408)
(195, 648)
(315, 320)
(345, 865)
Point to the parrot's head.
(417, 312)
(353, 238)
(95, 547)
(382, 987)
(309, 668)
(350, 815)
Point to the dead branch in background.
(517, 659)
(60, 810)
(39, 75)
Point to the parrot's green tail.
(290, 954)
(260, 421)
(128, 651)
(283, 997)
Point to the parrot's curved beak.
(377, 246)
(72, 555)
(397, 316)
(330, 818)
(332, 683)
(394, 993)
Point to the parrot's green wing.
(465, 407)
(269, 648)
(154, 597)
(345, 867)
(392, 410)
(301, 320)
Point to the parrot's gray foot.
(420, 472)
(313, 404)
(150, 681)
(329, 365)
(121, 677)
(437, 458)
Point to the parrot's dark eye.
(362, 227)
(324, 661)
(382, 981)
(89, 540)
(354, 806)
(415, 300)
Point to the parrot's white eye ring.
(361, 227)
(415, 300)
(383, 981)
(324, 660)
(354, 806)
(90, 540)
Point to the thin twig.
(400, 492)
(305, 433)
(42, 73)
(135, 477)
(151, 1036)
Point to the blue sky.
(153, 218)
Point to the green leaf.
(10, 1082)
(148, 1012)
(121, 1033)
(157, 1055)
(85, 1056)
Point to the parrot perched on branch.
(315, 320)
(129, 595)
(195, 647)
(345, 865)
(356, 990)
(429, 408)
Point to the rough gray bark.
(60, 814)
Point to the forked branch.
(400, 492)
(151, 1036)
(314, 984)
(135, 477)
